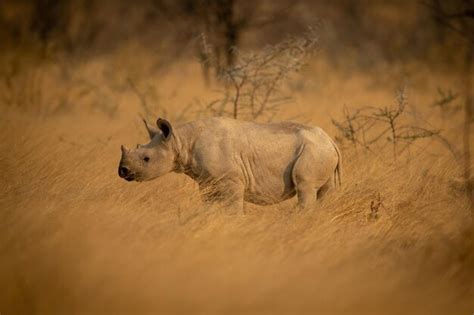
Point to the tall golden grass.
(75, 238)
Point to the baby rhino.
(235, 161)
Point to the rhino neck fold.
(183, 141)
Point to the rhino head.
(150, 160)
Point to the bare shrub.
(375, 205)
(445, 102)
(372, 128)
(254, 86)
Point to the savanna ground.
(75, 238)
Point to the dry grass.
(75, 238)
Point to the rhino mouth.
(129, 178)
(133, 177)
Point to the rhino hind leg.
(306, 194)
(310, 177)
(325, 188)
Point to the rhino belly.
(270, 192)
(265, 200)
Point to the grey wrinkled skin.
(235, 161)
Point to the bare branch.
(254, 85)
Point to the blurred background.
(173, 58)
(98, 48)
(368, 32)
(390, 81)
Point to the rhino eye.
(146, 159)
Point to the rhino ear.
(165, 128)
(152, 131)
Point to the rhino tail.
(338, 169)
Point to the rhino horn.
(124, 149)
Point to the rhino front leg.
(233, 191)
(235, 206)
(227, 192)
